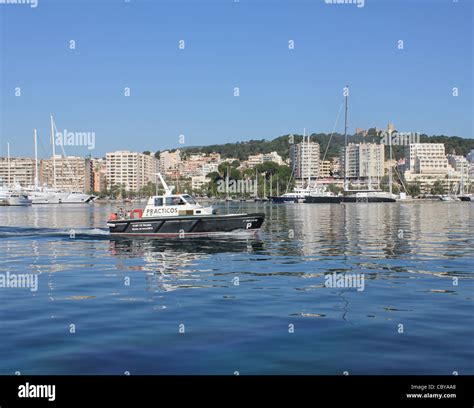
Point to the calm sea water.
(253, 306)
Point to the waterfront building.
(325, 168)
(131, 170)
(304, 160)
(17, 171)
(426, 163)
(66, 173)
(364, 161)
(99, 175)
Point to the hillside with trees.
(242, 150)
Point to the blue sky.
(230, 44)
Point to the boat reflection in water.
(172, 264)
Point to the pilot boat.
(179, 215)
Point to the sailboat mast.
(9, 167)
(271, 184)
(256, 183)
(264, 187)
(227, 183)
(309, 163)
(390, 165)
(36, 161)
(54, 151)
(303, 156)
(346, 94)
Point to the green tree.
(438, 188)
(413, 189)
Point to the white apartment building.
(198, 182)
(325, 168)
(429, 158)
(68, 173)
(169, 160)
(132, 170)
(273, 157)
(209, 168)
(363, 160)
(426, 163)
(260, 158)
(304, 160)
(18, 170)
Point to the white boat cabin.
(174, 205)
(167, 205)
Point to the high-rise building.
(304, 160)
(18, 170)
(130, 170)
(363, 160)
(66, 173)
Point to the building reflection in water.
(171, 264)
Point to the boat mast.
(36, 162)
(264, 189)
(303, 156)
(278, 187)
(309, 164)
(256, 183)
(54, 152)
(390, 164)
(9, 167)
(346, 94)
(227, 183)
(271, 184)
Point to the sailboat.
(52, 195)
(368, 195)
(298, 194)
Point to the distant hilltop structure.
(374, 131)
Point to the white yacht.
(13, 197)
(48, 195)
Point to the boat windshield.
(189, 199)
